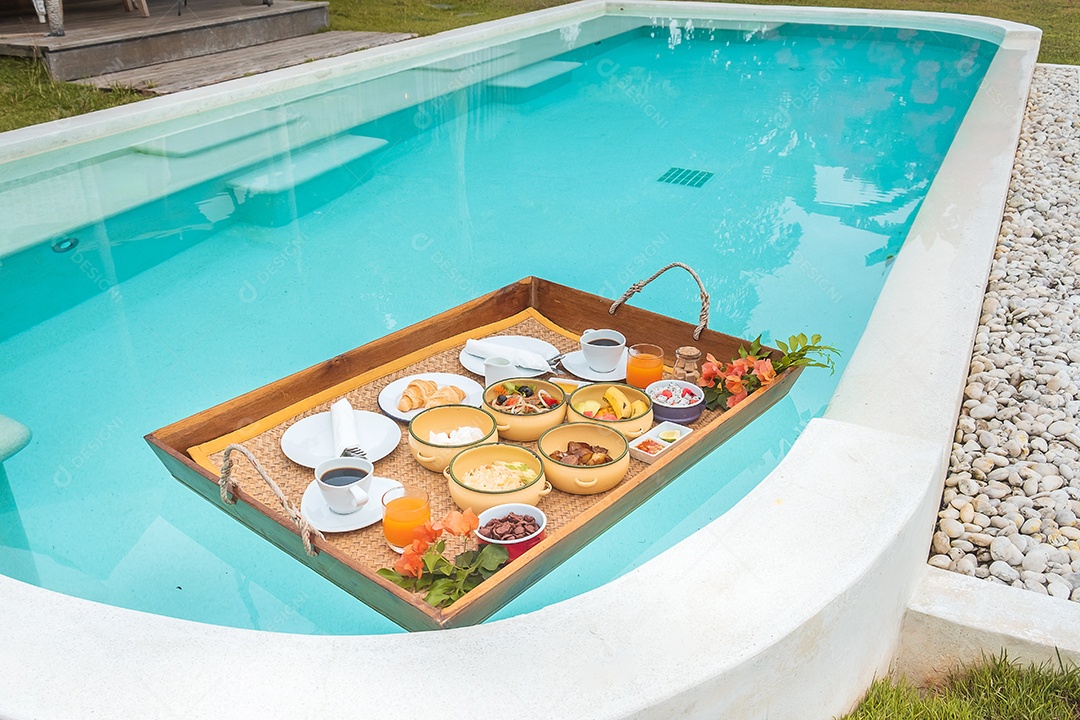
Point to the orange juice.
(403, 510)
(644, 365)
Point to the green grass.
(997, 689)
(30, 97)
(1059, 19)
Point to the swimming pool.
(816, 178)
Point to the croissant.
(445, 396)
(416, 394)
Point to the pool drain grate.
(682, 176)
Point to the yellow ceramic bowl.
(526, 428)
(584, 479)
(481, 500)
(630, 427)
(446, 418)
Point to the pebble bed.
(1009, 512)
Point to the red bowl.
(514, 548)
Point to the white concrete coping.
(707, 625)
(798, 592)
(953, 619)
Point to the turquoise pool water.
(821, 143)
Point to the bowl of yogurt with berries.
(676, 401)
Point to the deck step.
(188, 73)
(531, 81)
(274, 193)
(97, 46)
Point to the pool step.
(466, 61)
(275, 193)
(207, 137)
(531, 81)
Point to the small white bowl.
(515, 548)
(638, 454)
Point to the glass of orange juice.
(404, 508)
(644, 365)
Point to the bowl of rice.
(484, 476)
(438, 434)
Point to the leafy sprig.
(445, 582)
(805, 352)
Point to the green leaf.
(742, 351)
(803, 340)
(815, 339)
(783, 346)
(465, 560)
(394, 576)
(440, 592)
(493, 557)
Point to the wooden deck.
(102, 37)
(196, 72)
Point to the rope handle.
(227, 486)
(703, 318)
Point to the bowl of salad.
(525, 408)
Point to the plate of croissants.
(405, 398)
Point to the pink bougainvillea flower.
(740, 367)
(411, 563)
(734, 385)
(764, 370)
(709, 371)
(457, 523)
(426, 532)
(736, 399)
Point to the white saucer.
(311, 440)
(546, 350)
(322, 518)
(389, 396)
(575, 364)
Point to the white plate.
(546, 350)
(388, 398)
(575, 364)
(311, 440)
(322, 518)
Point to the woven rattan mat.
(367, 547)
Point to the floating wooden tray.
(191, 449)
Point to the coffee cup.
(345, 483)
(602, 349)
(497, 369)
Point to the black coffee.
(343, 476)
(604, 342)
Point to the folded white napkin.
(344, 422)
(522, 358)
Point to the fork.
(354, 451)
(554, 362)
